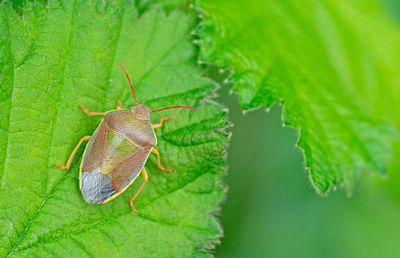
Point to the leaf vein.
(46, 197)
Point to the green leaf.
(63, 53)
(332, 65)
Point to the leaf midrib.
(114, 216)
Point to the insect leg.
(90, 113)
(160, 167)
(132, 199)
(119, 105)
(69, 161)
(162, 120)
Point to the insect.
(117, 151)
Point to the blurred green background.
(272, 211)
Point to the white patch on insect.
(96, 187)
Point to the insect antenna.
(130, 83)
(162, 109)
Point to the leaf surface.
(332, 65)
(54, 57)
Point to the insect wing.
(112, 161)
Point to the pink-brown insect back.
(117, 151)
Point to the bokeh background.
(272, 211)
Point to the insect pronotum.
(117, 151)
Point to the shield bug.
(117, 151)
